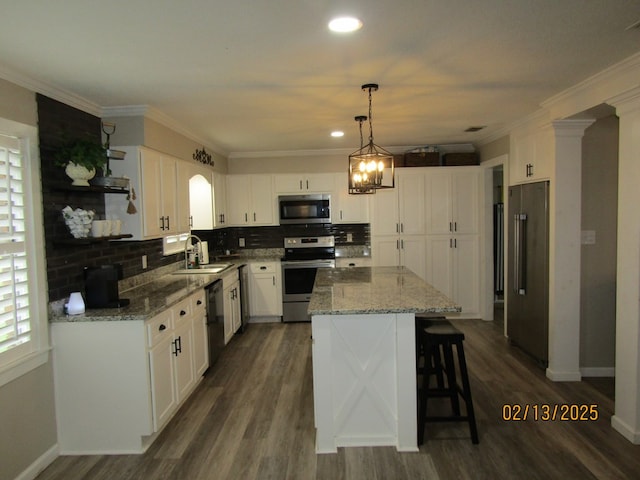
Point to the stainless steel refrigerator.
(527, 285)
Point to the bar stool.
(436, 342)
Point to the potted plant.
(81, 158)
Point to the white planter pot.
(79, 174)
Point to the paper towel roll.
(204, 253)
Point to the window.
(23, 318)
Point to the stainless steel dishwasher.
(215, 321)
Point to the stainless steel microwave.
(304, 208)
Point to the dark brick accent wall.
(65, 262)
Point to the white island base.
(364, 381)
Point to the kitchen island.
(364, 375)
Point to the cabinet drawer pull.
(162, 327)
(263, 268)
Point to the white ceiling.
(258, 75)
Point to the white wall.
(598, 260)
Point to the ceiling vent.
(474, 129)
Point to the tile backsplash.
(273, 237)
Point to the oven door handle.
(309, 264)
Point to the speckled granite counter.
(375, 290)
(146, 300)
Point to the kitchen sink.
(209, 269)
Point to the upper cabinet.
(303, 183)
(531, 157)
(400, 210)
(250, 200)
(452, 201)
(347, 208)
(157, 209)
(201, 198)
(219, 200)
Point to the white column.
(564, 251)
(626, 419)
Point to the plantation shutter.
(15, 319)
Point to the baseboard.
(40, 464)
(625, 430)
(265, 319)
(563, 376)
(598, 371)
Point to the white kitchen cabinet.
(160, 210)
(398, 224)
(265, 289)
(454, 269)
(531, 158)
(406, 250)
(184, 215)
(250, 200)
(346, 208)
(342, 262)
(296, 183)
(401, 210)
(452, 200)
(220, 200)
(231, 304)
(118, 383)
(201, 207)
(164, 398)
(200, 334)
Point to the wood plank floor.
(252, 417)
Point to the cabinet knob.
(182, 313)
(162, 327)
(199, 302)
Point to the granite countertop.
(146, 301)
(371, 290)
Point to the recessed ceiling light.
(345, 24)
(337, 133)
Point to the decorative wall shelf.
(89, 240)
(67, 187)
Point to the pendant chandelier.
(370, 167)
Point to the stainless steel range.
(302, 258)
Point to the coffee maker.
(101, 286)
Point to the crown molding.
(596, 89)
(156, 115)
(50, 90)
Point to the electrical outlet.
(144, 262)
(241, 242)
(349, 237)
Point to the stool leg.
(424, 394)
(438, 367)
(466, 387)
(452, 384)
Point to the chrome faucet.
(187, 242)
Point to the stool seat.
(435, 340)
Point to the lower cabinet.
(231, 304)
(454, 269)
(265, 289)
(353, 262)
(117, 383)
